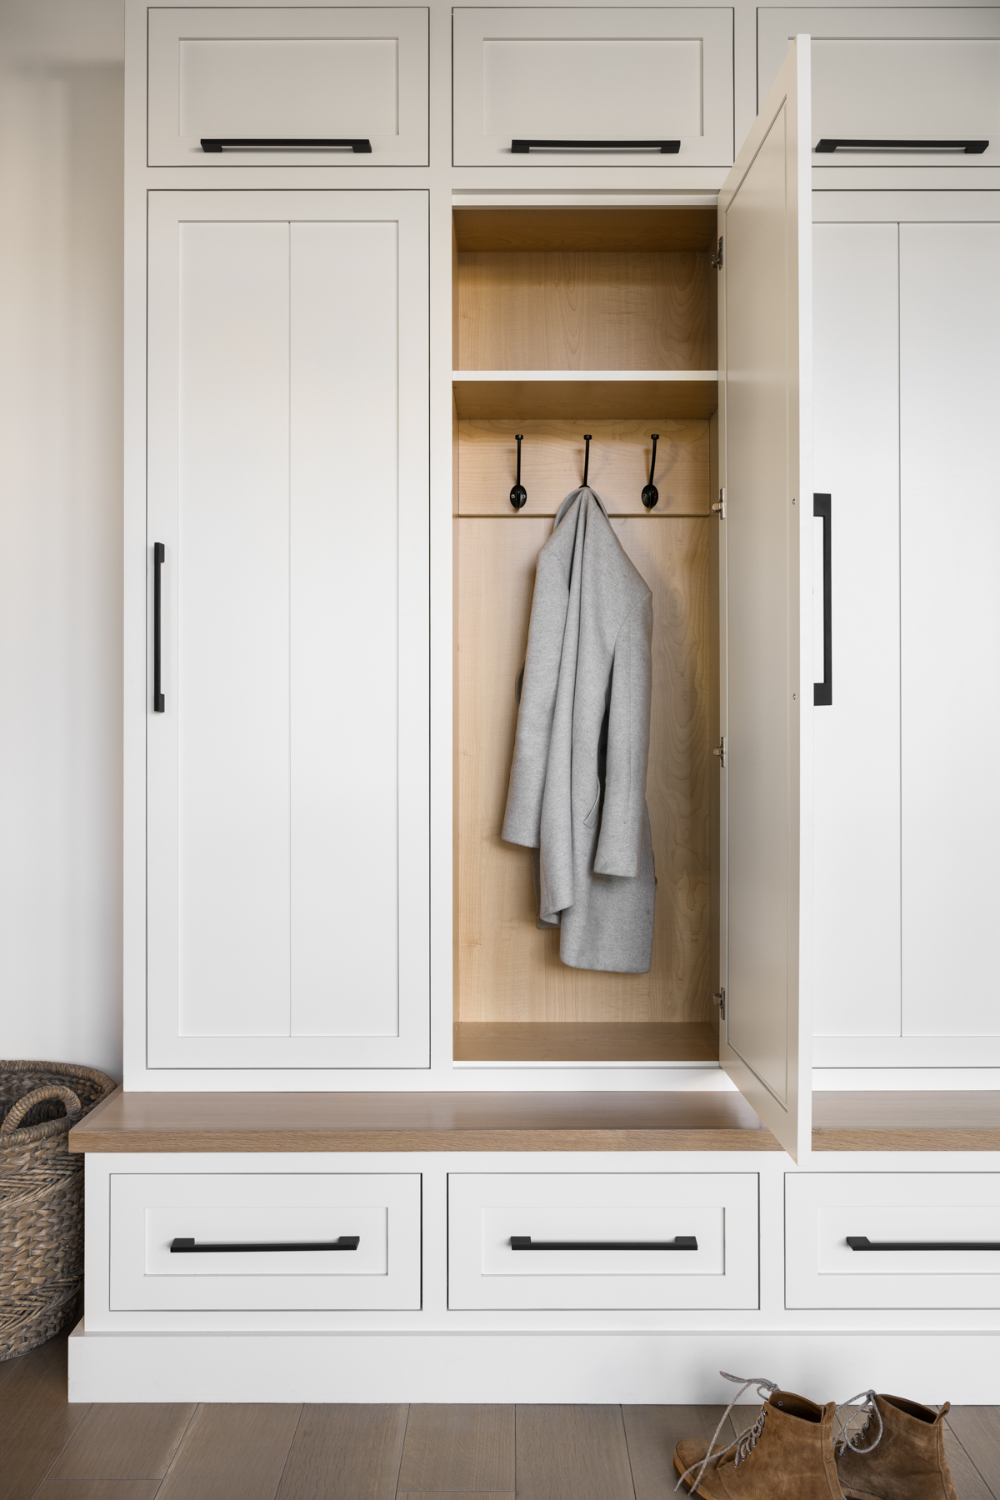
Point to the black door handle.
(679, 1242)
(823, 691)
(862, 1242)
(666, 148)
(190, 1247)
(159, 553)
(970, 148)
(232, 143)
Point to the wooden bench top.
(702, 1121)
(682, 1121)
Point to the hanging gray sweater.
(577, 795)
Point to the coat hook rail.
(586, 458)
(650, 494)
(518, 495)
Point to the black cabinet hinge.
(720, 1000)
(717, 258)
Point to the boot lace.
(746, 1442)
(865, 1400)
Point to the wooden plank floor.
(54, 1451)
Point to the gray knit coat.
(577, 795)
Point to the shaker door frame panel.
(710, 27)
(406, 26)
(408, 211)
(888, 114)
(765, 369)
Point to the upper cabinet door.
(287, 759)
(308, 76)
(557, 77)
(765, 358)
(910, 74)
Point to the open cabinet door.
(765, 372)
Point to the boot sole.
(699, 1493)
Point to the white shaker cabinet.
(287, 85)
(590, 86)
(900, 75)
(765, 379)
(287, 779)
(905, 827)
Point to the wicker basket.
(41, 1197)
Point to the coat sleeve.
(623, 817)
(538, 684)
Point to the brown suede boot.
(906, 1463)
(786, 1455)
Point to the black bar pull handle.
(159, 554)
(215, 144)
(823, 691)
(862, 1242)
(666, 148)
(191, 1247)
(679, 1242)
(970, 148)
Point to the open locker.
(619, 323)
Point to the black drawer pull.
(189, 1247)
(215, 144)
(862, 1242)
(970, 148)
(666, 148)
(159, 555)
(679, 1242)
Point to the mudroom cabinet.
(286, 769)
(343, 1028)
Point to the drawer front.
(593, 75)
(909, 74)
(911, 1210)
(595, 1216)
(150, 1213)
(301, 74)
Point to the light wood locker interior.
(624, 301)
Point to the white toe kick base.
(643, 1369)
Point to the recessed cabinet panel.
(297, 1240)
(287, 790)
(912, 74)
(576, 1240)
(892, 1239)
(593, 75)
(950, 610)
(856, 829)
(302, 74)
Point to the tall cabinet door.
(765, 375)
(287, 773)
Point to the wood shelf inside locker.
(517, 395)
(637, 1042)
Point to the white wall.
(60, 530)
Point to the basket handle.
(17, 1111)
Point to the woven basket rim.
(28, 1135)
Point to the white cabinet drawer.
(150, 1212)
(593, 74)
(910, 74)
(273, 74)
(823, 1212)
(604, 1221)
